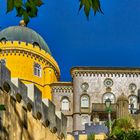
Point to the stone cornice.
(105, 71)
(63, 87)
(61, 84)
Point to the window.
(108, 82)
(85, 101)
(35, 44)
(132, 87)
(3, 40)
(3, 61)
(65, 104)
(109, 95)
(37, 69)
(133, 103)
(85, 120)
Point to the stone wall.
(27, 117)
(62, 90)
(96, 79)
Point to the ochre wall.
(20, 59)
(70, 137)
(19, 124)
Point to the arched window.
(65, 104)
(84, 101)
(37, 69)
(109, 95)
(133, 103)
(3, 61)
(84, 120)
(3, 40)
(35, 44)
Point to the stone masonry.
(27, 117)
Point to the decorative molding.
(106, 73)
(62, 87)
(26, 53)
(28, 47)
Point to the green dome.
(25, 34)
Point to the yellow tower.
(28, 57)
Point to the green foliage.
(91, 137)
(90, 4)
(2, 107)
(133, 135)
(130, 135)
(29, 8)
(25, 8)
(123, 129)
(124, 124)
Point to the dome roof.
(25, 34)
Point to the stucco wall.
(27, 117)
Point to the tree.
(28, 9)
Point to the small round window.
(132, 87)
(108, 82)
(84, 86)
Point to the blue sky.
(112, 39)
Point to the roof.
(104, 69)
(122, 97)
(25, 34)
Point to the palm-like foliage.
(125, 124)
(122, 127)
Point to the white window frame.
(85, 101)
(3, 61)
(104, 99)
(37, 70)
(84, 120)
(65, 104)
(134, 101)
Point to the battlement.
(65, 87)
(28, 49)
(40, 114)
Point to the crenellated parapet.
(28, 113)
(64, 87)
(29, 50)
(104, 72)
(62, 95)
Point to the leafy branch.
(90, 4)
(24, 8)
(28, 9)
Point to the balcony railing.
(100, 107)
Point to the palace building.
(28, 57)
(82, 100)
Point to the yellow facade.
(83, 137)
(20, 58)
(69, 137)
(101, 136)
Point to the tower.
(122, 106)
(28, 57)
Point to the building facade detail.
(30, 76)
(91, 87)
(29, 58)
(27, 115)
